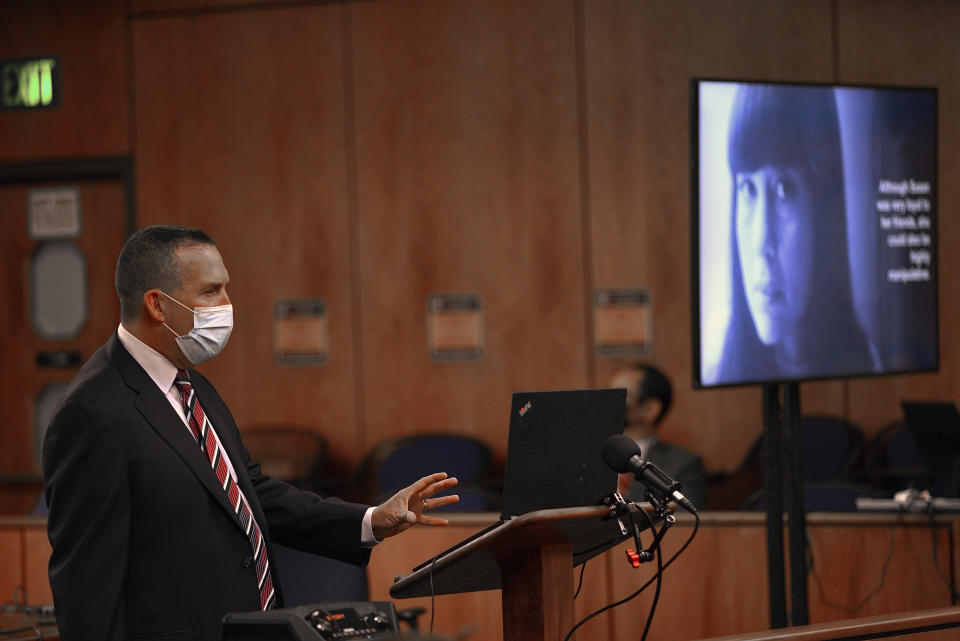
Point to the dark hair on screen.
(796, 127)
(148, 261)
(654, 384)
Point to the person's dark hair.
(654, 384)
(148, 261)
(798, 128)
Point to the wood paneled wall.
(907, 43)
(25, 552)
(94, 114)
(102, 237)
(372, 153)
(639, 61)
(467, 156)
(241, 130)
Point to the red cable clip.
(633, 557)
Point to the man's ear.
(153, 304)
(651, 409)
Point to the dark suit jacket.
(145, 544)
(680, 464)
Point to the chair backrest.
(832, 448)
(832, 451)
(308, 579)
(396, 463)
(893, 460)
(290, 453)
(901, 448)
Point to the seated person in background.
(648, 400)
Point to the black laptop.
(936, 429)
(553, 452)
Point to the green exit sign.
(30, 83)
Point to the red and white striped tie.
(203, 431)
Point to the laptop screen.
(553, 451)
(936, 428)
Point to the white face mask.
(211, 329)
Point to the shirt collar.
(158, 368)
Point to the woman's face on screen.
(774, 227)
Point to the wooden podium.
(530, 558)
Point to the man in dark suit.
(649, 394)
(160, 523)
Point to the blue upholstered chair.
(396, 463)
(308, 578)
(832, 454)
(893, 461)
(832, 448)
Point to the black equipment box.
(340, 621)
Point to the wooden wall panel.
(240, 131)
(11, 554)
(36, 554)
(908, 43)
(375, 152)
(719, 584)
(24, 554)
(699, 595)
(879, 570)
(640, 57)
(102, 223)
(467, 182)
(93, 116)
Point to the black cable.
(636, 533)
(696, 526)
(870, 595)
(954, 598)
(580, 582)
(20, 606)
(432, 595)
(659, 575)
(32, 628)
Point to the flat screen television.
(814, 231)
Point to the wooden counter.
(862, 565)
(24, 552)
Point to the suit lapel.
(156, 410)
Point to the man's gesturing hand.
(407, 506)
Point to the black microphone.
(622, 454)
